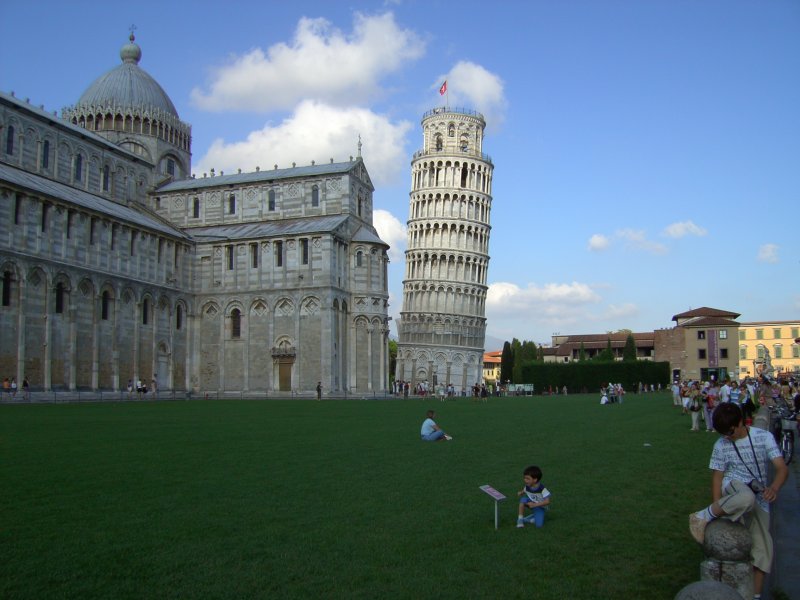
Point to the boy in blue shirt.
(534, 496)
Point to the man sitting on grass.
(430, 431)
(739, 463)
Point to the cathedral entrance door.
(285, 375)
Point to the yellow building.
(780, 338)
(491, 367)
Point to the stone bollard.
(727, 548)
(708, 590)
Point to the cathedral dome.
(128, 87)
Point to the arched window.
(315, 195)
(196, 208)
(439, 142)
(236, 323)
(46, 154)
(10, 140)
(271, 196)
(104, 304)
(179, 317)
(78, 167)
(106, 178)
(232, 205)
(145, 311)
(59, 298)
(451, 131)
(359, 258)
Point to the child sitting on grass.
(533, 496)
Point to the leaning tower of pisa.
(442, 323)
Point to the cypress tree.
(506, 363)
(629, 352)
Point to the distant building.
(702, 345)
(780, 338)
(491, 366)
(567, 348)
(705, 344)
(117, 264)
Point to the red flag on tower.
(443, 89)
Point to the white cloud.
(317, 132)
(638, 239)
(393, 232)
(768, 253)
(503, 297)
(563, 307)
(472, 86)
(321, 63)
(684, 228)
(614, 311)
(598, 242)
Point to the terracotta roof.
(705, 311)
(710, 322)
(599, 341)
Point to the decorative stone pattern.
(241, 296)
(708, 590)
(445, 285)
(727, 547)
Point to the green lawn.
(304, 499)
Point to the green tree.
(606, 355)
(506, 363)
(629, 351)
(524, 353)
(516, 370)
(392, 359)
(582, 353)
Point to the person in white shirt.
(430, 431)
(740, 491)
(725, 392)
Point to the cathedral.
(119, 265)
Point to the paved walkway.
(785, 527)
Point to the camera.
(756, 486)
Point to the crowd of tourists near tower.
(747, 465)
(699, 399)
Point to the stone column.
(727, 548)
(221, 353)
(170, 359)
(72, 348)
(191, 352)
(95, 345)
(47, 384)
(370, 331)
(137, 320)
(114, 341)
(21, 303)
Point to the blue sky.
(646, 153)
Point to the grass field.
(302, 499)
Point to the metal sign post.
(497, 497)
